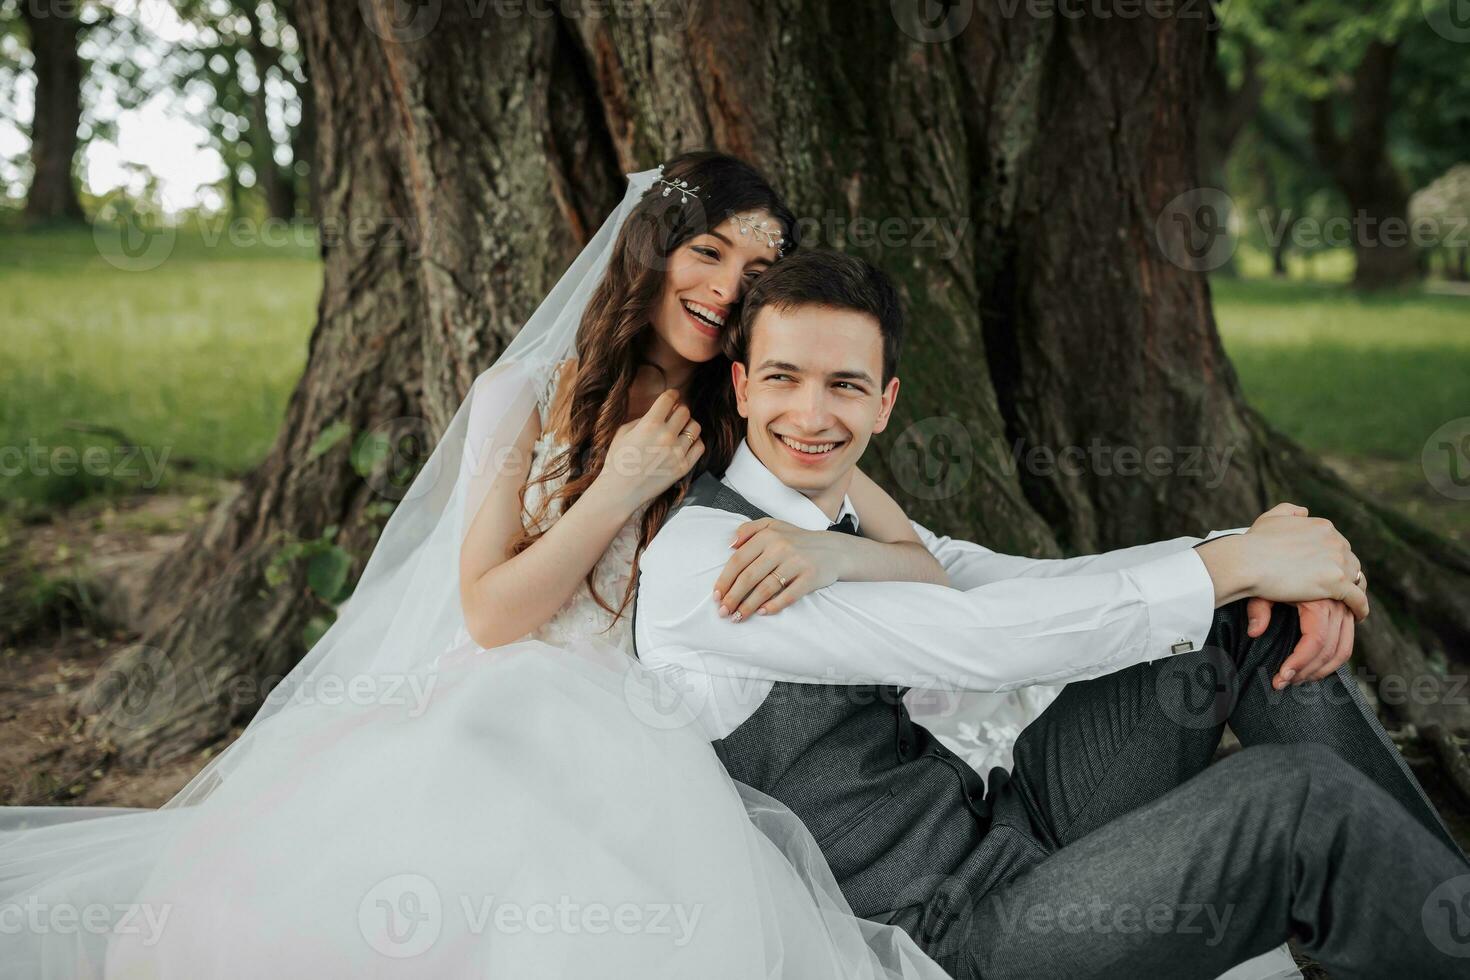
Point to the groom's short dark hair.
(822, 277)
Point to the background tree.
(246, 61)
(1062, 310)
(1384, 105)
(53, 35)
(81, 55)
(1278, 186)
(1230, 98)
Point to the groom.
(1113, 848)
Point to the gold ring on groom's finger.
(1359, 579)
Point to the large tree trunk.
(1021, 168)
(1360, 165)
(58, 67)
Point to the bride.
(468, 774)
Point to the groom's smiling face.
(812, 393)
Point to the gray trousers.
(1129, 855)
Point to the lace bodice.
(581, 617)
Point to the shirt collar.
(748, 476)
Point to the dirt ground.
(58, 634)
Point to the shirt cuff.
(1181, 602)
(1220, 534)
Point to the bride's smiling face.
(706, 277)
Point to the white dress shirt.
(1006, 623)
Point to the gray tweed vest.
(892, 809)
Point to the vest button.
(903, 746)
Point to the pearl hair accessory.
(749, 224)
(682, 186)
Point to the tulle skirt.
(531, 811)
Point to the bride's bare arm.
(505, 598)
(888, 550)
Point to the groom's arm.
(997, 637)
(970, 565)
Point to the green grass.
(193, 358)
(1347, 374)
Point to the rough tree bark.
(1360, 165)
(58, 67)
(1010, 175)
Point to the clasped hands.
(1289, 556)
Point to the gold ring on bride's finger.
(779, 578)
(686, 432)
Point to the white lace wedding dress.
(540, 813)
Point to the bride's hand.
(768, 551)
(649, 455)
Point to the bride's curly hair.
(616, 328)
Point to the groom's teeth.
(804, 448)
(705, 313)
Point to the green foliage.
(328, 438)
(1306, 52)
(326, 566)
(369, 452)
(326, 572)
(1306, 45)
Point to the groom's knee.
(1301, 775)
(1230, 638)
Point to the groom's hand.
(1286, 557)
(1326, 642)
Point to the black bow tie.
(848, 525)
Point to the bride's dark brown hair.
(616, 328)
